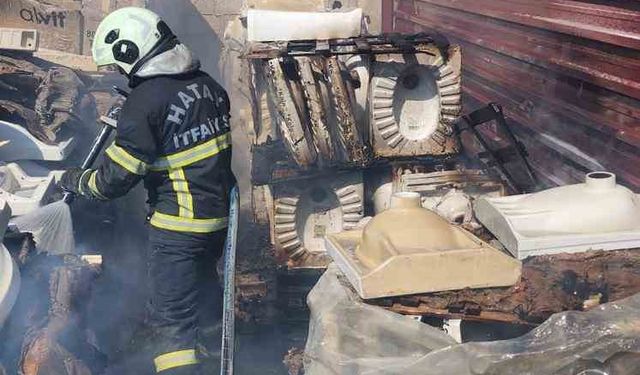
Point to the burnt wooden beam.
(549, 284)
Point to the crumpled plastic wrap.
(347, 336)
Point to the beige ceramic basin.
(408, 249)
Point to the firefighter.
(173, 132)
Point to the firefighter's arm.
(127, 160)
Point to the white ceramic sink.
(273, 25)
(595, 215)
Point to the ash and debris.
(293, 361)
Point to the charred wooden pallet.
(380, 44)
(549, 284)
(272, 164)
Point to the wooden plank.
(549, 284)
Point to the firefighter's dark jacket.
(173, 132)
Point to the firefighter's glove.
(74, 179)
(116, 107)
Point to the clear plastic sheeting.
(347, 336)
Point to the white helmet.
(127, 36)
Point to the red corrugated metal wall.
(566, 72)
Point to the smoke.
(52, 228)
(117, 309)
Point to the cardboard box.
(131, 3)
(92, 18)
(60, 29)
(65, 4)
(94, 11)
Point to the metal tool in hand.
(228, 312)
(109, 123)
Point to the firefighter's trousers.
(186, 297)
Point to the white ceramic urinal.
(595, 215)
(9, 274)
(22, 145)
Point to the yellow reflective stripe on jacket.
(175, 359)
(94, 188)
(127, 161)
(183, 195)
(183, 224)
(194, 154)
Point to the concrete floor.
(258, 352)
(262, 351)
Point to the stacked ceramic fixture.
(24, 184)
(409, 101)
(305, 213)
(413, 101)
(335, 111)
(22, 192)
(451, 193)
(595, 215)
(301, 25)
